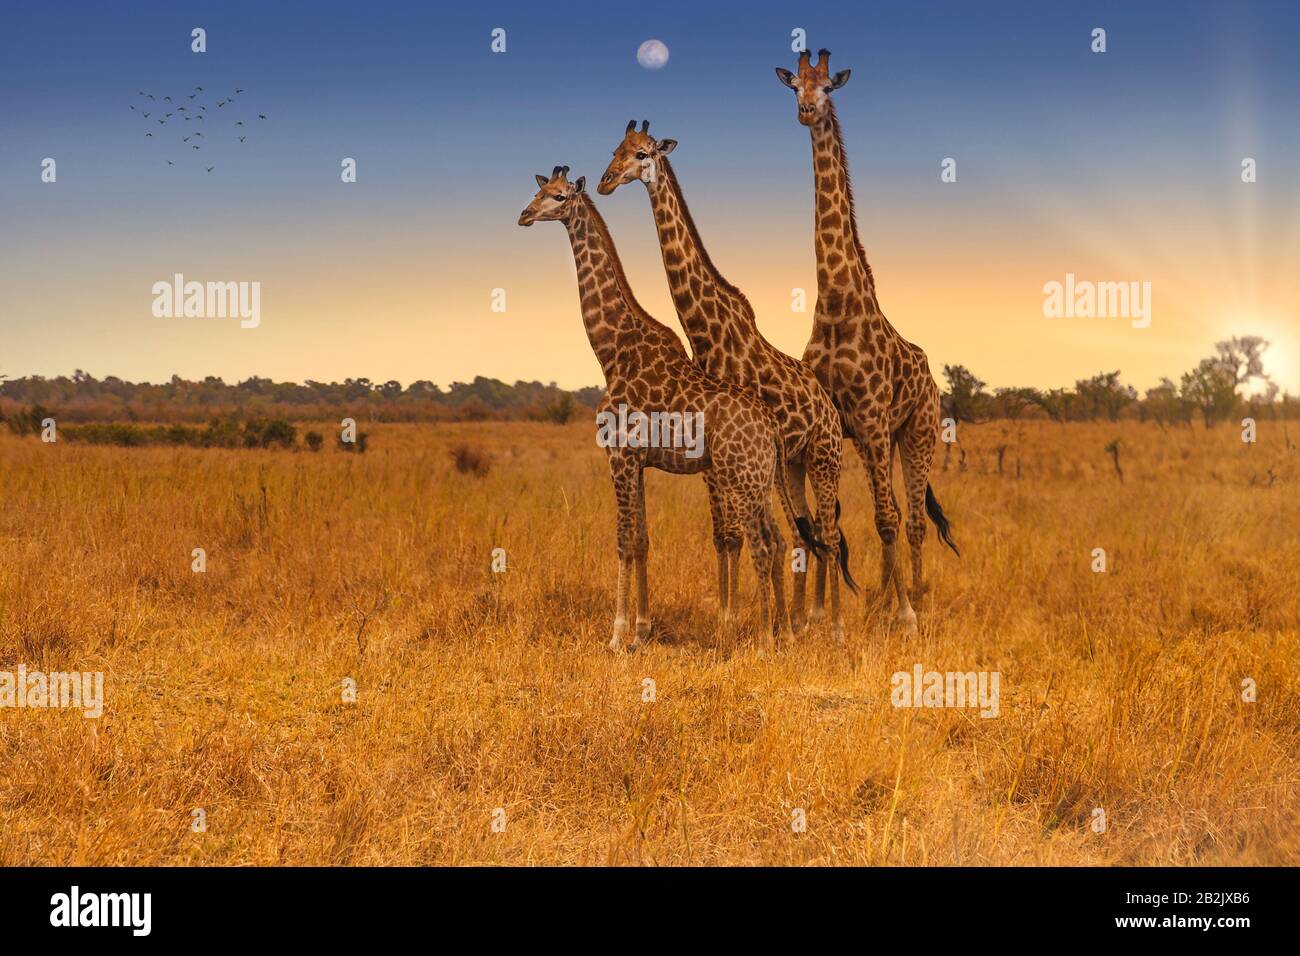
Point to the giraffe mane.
(607, 241)
(848, 189)
(689, 220)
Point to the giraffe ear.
(785, 76)
(541, 180)
(666, 146)
(580, 185)
(839, 79)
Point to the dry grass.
(481, 690)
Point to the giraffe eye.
(640, 155)
(827, 89)
(558, 198)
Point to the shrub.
(471, 460)
(314, 440)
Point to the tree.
(1165, 405)
(1243, 356)
(1211, 387)
(562, 409)
(965, 396)
(1103, 393)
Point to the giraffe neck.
(692, 274)
(609, 310)
(842, 269)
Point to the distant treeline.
(1223, 386)
(84, 398)
(1229, 383)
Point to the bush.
(471, 460)
(562, 409)
(314, 440)
(358, 446)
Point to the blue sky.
(1068, 161)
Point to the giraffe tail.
(941, 523)
(798, 521)
(844, 554)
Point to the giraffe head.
(555, 199)
(637, 157)
(813, 86)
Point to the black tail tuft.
(844, 559)
(816, 546)
(940, 520)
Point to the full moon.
(652, 54)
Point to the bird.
(143, 93)
(211, 168)
(242, 138)
(132, 107)
(199, 88)
(198, 134)
(187, 139)
(179, 109)
(239, 122)
(221, 103)
(146, 115)
(202, 107)
(150, 95)
(148, 134)
(187, 119)
(200, 116)
(162, 122)
(192, 95)
(239, 91)
(167, 98)
(170, 163)
(168, 115)
(261, 116)
(193, 147)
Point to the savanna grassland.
(476, 690)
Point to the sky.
(1115, 166)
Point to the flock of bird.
(165, 111)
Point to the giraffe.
(726, 342)
(880, 382)
(646, 371)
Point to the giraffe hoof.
(837, 633)
(907, 618)
(620, 632)
(818, 614)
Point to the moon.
(652, 54)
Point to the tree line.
(84, 398)
(1222, 386)
(1227, 383)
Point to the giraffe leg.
(641, 544)
(795, 471)
(721, 532)
(626, 474)
(782, 623)
(916, 447)
(875, 445)
(826, 481)
(759, 537)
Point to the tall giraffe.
(880, 382)
(726, 341)
(647, 371)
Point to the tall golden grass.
(479, 690)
